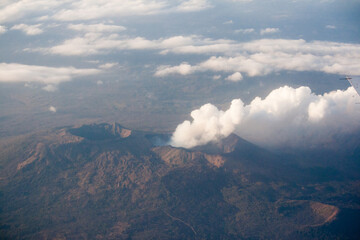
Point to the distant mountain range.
(103, 181)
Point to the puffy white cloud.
(269, 31)
(28, 29)
(52, 109)
(235, 77)
(99, 82)
(14, 72)
(261, 57)
(287, 117)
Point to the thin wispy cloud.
(28, 29)
(14, 72)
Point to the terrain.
(104, 181)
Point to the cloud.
(330, 27)
(235, 77)
(216, 77)
(15, 10)
(96, 27)
(108, 65)
(52, 109)
(2, 29)
(50, 88)
(99, 82)
(92, 43)
(269, 31)
(245, 31)
(287, 117)
(81, 10)
(265, 56)
(28, 29)
(193, 5)
(183, 69)
(228, 22)
(14, 72)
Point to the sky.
(273, 64)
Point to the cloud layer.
(287, 117)
(72, 10)
(261, 57)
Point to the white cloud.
(269, 31)
(193, 5)
(2, 29)
(108, 65)
(52, 109)
(216, 77)
(183, 69)
(96, 27)
(76, 10)
(235, 77)
(15, 10)
(14, 72)
(28, 29)
(287, 117)
(228, 22)
(99, 43)
(245, 31)
(261, 57)
(99, 82)
(330, 27)
(50, 88)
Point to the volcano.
(104, 181)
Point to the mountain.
(104, 181)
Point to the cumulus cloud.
(269, 31)
(14, 72)
(28, 29)
(52, 109)
(264, 56)
(287, 117)
(235, 77)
